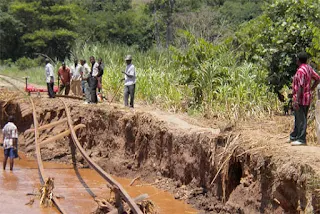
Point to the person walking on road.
(93, 80)
(85, 73)
(129, 81)
(302, 96)
(64, 75)
(10, 142)
(76, 78)
(49, 78)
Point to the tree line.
(51, 27)
(267, 34)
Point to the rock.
(198, 191)
(177, 196)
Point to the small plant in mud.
(45, 194)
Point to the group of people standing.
(82, 80)
(86, 81)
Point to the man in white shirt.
(76, 79)
(129, 81)
(49, 78)
(93, 80)
(85, 74)
(10, 142)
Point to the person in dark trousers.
(49, 78)
(302, 88)
(129, 81)
(99, 76)
(93, 80)
(85, 74)
(10, 142)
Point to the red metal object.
(31, 88)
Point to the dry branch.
(231, 147)
(46, 192)
(134, 180)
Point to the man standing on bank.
(76, 78)
(302, 97)
(93, 80)
(49, 78)
(129, 81)
(64, 75)
(10, 142)
(85, 73)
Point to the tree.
(48, 26)
(164, 9)
(286, 28)
(239, 11)
(11, 30)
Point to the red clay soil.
(220, 168)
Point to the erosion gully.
(76, 187)
(216, 172)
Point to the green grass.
(156, 84)
(36, 75)
(229, 89)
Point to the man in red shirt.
(302, 96)
(65, 76)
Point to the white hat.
(128, 57)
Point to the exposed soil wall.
(182, 161)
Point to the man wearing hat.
(49, 78)
(64, 75)
(10, 142)
(129, 81)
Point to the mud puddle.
(77, 186)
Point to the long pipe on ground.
(134, 207)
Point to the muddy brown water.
(78, 187)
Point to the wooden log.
(134, 207)
(105, 204)
(61, 135)
(69, 96)
(47, 126)
(134, 180)
(39, 159)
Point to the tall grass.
(156, 83)
(229, 89)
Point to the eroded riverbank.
(248, 170)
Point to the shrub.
(25, 63)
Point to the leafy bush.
(25, 63)
(7, 62)
(286, 28)
(219, 82)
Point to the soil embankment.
(247, 169)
